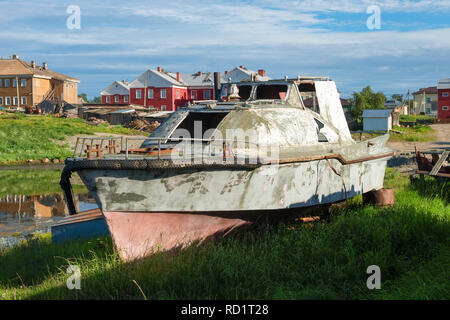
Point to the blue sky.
(119, 40)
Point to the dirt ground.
(404, 158)
(442, 141)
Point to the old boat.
(216, 166)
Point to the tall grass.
(323, 260)
(24, 137)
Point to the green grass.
(24, 137)
(323, 260)
(412, 134)
(35, 182)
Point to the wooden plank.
(439, 163)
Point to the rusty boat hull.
(265, 158)
(150, 210)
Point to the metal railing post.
(126, 148)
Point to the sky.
(392, 45)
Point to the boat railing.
(98, 147)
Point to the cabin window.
(7, 83)
(244, 92)
(116, 99)
(203, 120)
(7, 101)
(178, 94)
(163, 93)
(23, 83)
(308, 94)
(445, 108)
(194, 94)
(125, 98)
(107, 99)
(138, 93)
(150, 94)
(271, 92)
(14, 83)
(445, 94)
(206, 94)
(163, 108)
(15, 101)
(1, 100)
(24, 100)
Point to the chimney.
(226, 72)
(199, 73)
(44, 65)
(217, 85)
(242, 67)
(159, 69)
(178, 76)
(33, 64)
(262, 72)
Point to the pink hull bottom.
(139, 234)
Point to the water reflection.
(21, 215)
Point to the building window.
(445, 108)
(163, 93)
(206, 94)
(116, 99)
(194, 94)
(107, 99)
(1, 101)
(427, 100)
(24, 100)
(138, 93)
(15, 101)
(445, 94)
(7, 83)
(163, 108)
(178, 94)
(14, 83)
(150, 94)
(125, 98)
(23, 83)
(7, 101)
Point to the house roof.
(242, 74)
(161, 79)
(13, 67)
(429, 90)
(117, 87)
(443, 84)
(376, 113)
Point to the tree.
(83, 96)
(96, 100)
(398, 97)
(367, 99)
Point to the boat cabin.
(266, 112)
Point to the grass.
(34, 182)
(24, 137)
(322, 260)
(414, 118)
(413, 134)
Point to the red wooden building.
(444, 99)
(169, 91)
(117, 93)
